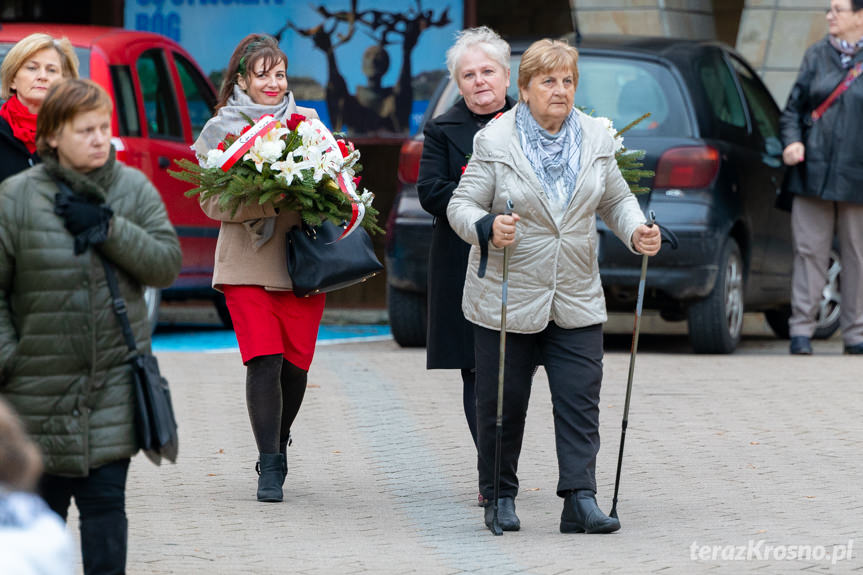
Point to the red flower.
(294, 121)
(357, 181)
(221, 146)
(463, 168)
(344, 148)
(245, 129)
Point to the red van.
(161, 102)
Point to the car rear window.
(624, 89)
(82, 53)
(617, 87)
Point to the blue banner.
(388, 55)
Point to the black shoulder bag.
(154, 413)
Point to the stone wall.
(773, 36)
(673, 18)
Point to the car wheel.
(222, 310)
(407, 311)
(153, 299)
(827, 320)
(716, 322)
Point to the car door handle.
(164, 162)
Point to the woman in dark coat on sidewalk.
(29, 69)
(828, 184)
(479, 63)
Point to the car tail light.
(687, 167)
(409, 161)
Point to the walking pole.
(651, 218)
(495, 524)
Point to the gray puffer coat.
(63, 361)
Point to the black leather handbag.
(320, 264)
(155, 425)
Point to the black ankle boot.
(581, 514)
(270, 477)
(283, 451)
(506, 516)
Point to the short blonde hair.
(25, 48)
(546, 56)
(64, 101)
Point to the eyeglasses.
(836, 11)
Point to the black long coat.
(446, 150)
(833, 169)
(14, 156)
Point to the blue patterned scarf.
(846, 50)
(555, 159)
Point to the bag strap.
(119, 304)
(838, 91)
(117, 301)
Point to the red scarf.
(22, 122)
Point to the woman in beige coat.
(557, 166)
(275, 329)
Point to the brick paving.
(720, 451)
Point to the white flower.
(322, 163)
(311, 134)
(289, 169)
(366, 197)
(267, 148)
(609, 126)
(211, 160)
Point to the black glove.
(87, 222)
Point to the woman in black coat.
(479, 63)
(30, 68)
(824, 141)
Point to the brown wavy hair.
(251, 50)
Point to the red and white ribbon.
(245, 141)
(345, 183)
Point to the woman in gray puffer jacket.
(65, 365)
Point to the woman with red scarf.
(30, 68)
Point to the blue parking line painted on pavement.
(206, 339)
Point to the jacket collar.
(506, 148)
(459, 124)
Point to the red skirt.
(275, 322)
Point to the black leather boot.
(506, 516)
(270, 477)
(581, 514)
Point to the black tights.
(274, 393)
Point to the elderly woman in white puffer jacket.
(557, 166)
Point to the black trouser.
(468, 398)
(101, 501)
(573, 362)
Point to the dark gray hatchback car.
(712, 140)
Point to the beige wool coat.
(553, 267)
(237, 262)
